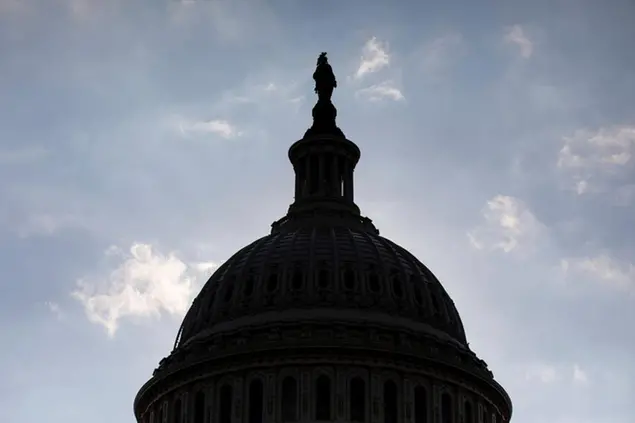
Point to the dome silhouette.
(323, 319)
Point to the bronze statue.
(324, 79)
(324, 112)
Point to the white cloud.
(508, 224)
(550, 374)
(590, 157)
(374, 57)
(603, 268)
(216, 126)
(146, 284)
(438, 54)
(55, 309)
(381, 91)
(516, 35)
(542, 372)
(271, 87)
(580, 377)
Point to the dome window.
(249, 286)
(323, 279)
(225, 405)
(390, 402)
(323, 398)
(199, 407)
(484, 414)
(435, 305)
(272, 281)
(447, 409)
(358, 400)
(468, 412)
(229, 291)
(397, 288)
(289, 400)
(421, 405)
(176, 417)
(256, 403)
(373, 281)
(349, 278)
(418, 295)
(297, 279)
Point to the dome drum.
(323, 388)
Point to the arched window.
(447, 410)
(249, 285)
(324, 279)
(390, 402)
(421, 405)
(323, 398)
(358, 400)
(297, 279)
(225, 401)
(256, 406)
(484, 414)
(199, 407)
(176, 414)
(289, 399)
(468, 412)
(160, 414)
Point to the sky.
(143, 142)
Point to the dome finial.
(324, 112)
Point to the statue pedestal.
(324, 114)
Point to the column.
(238, 400)
(336, 188)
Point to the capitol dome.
(318, 272)
(323, 319)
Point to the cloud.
(590, 158)
(383, 90)
(147, 283)
(550, 374)
(509, 224)
(580, 377)
(602, 268)
(374, 57)
(542, 372)
(516, 35)
(440, 53)
(216, 126)
(55, 309)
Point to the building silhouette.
(322, 320)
